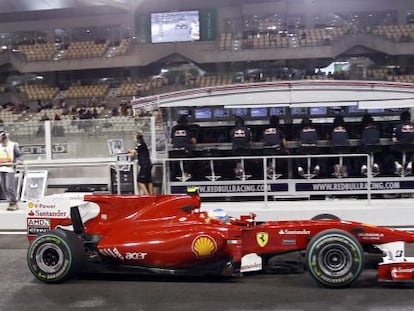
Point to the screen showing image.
(336, 110)
(220, 113)
(376, 110)
(394, 110)
(298, 111)
(183, 112)
(353, 109)
(175, 26)
(318, 110)
(240, 112)
(258, 112)
(277, 111)
(202, 113)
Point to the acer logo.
(135, 256)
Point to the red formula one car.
(168, 234)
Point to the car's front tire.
(334, 258)
(56, 256)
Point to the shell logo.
(204, 246)
(30, 204)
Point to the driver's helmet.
(219, 214)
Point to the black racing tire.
(334, 258)
(325, 216)
(56, 256)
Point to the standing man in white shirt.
(10, 154)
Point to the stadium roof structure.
(9, 6)
(20, 10)
(20, 6)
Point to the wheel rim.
(335, 260)
(50, 258)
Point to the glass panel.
(85, 138)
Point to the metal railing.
(265, 184)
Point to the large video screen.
(175, 26)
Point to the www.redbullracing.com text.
(335, 186)
(233, 188)
(355, 186)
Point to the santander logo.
(398, 273)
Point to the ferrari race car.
(72, 233)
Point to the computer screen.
(240, 112)
(220, 113)
(183, 112)
(258, 112)
(298, 111)
(335, 110)
(318, 110)
(277, 111)
(202, 113)
(375, 110)
(353, 109)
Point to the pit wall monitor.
(259, 112)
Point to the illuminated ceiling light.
(324, 104)
(256, 105)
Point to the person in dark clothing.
(273, 138)
(370, 137)
(274, 143)
(308, 139)
(144, 177)
(403, 134)
(240, 138)
(182, 140)
(339, 134)
(340, 144)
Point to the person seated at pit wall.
(274, 143)
(339, 139)
(182, 140)
(403, 133)
(370, 136)
(273, 138)
(240, 138)
(308, 139)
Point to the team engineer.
(144, 178)
(182, 140)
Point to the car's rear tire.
(56, 256)
(334, 258)
(325, 216)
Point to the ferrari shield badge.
(262, 238)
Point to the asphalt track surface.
(19, 290)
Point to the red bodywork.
(161, 231)
(397, 272)
(170, 232)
